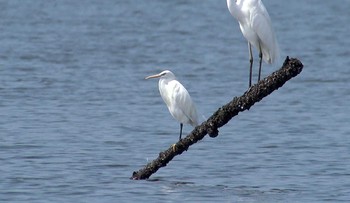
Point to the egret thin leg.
(251, 64)
(180, 130)
(260, 57)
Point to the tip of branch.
(286, 61)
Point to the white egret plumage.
(255, 24)
(177, 99)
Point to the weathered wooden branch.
(291, 68)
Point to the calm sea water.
(77, 117)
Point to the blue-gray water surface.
(77, 117)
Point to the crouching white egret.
(255, 24)
(177, 99)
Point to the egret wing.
(261, 24)
(185, 111)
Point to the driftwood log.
(291, 68)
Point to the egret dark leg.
(180, 130)
(260, 57)
(251, 64)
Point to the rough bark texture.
(291, 68)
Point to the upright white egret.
(177, 98)
(255, 24)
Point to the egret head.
(163, 74)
